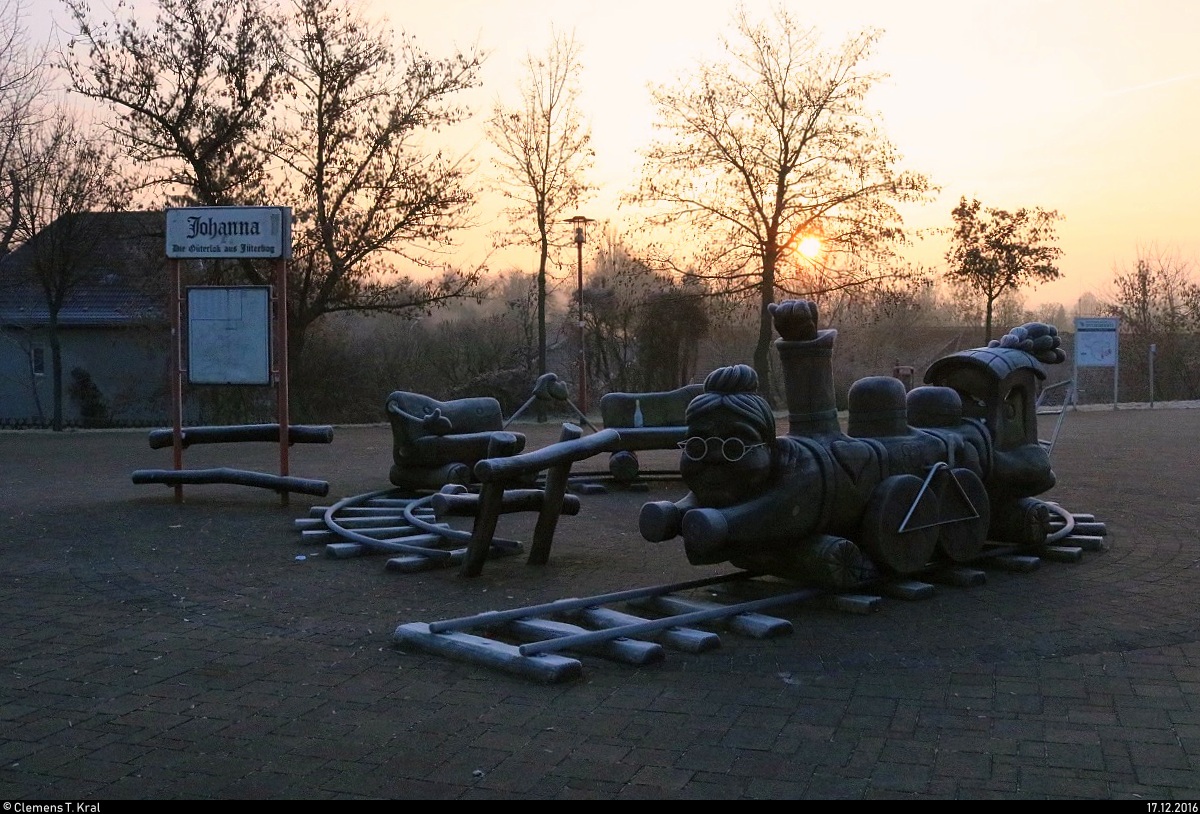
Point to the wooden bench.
(645, 421)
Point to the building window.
(37, 360)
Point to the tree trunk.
(541, 314)
(762, 348)
(56, 421)
(541, 304)
(13, 214)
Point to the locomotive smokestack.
(806, 356)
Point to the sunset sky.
(1090, 108)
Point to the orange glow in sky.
(1089, 107)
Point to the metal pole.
(177, 369)
(1153, 349)
(280, 346)
(1116, 380)
(582, 334)
(1073, 394)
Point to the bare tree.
(191, 90)
(355, 156)
(320, 110)
(22, 87)
(644, 327)
(994, 252)
(545, 153)
(1088, 305)
(769, 148)
(1158, 301)
(68, 173)
(617, 286)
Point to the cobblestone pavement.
(202, 650)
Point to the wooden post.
(177, 370)
(491, 501)
(556, 488)
(281, 367)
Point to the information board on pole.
(1096, 341)
(233, 335)
(1097, 345)
(229, 335)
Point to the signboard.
(1096, 341)
(229, 329)
(214, 232)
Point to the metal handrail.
(1048, 444)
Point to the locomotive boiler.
(915, 478)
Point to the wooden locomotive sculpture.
(922, 476)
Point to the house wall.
(128, 365)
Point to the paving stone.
(179, 651)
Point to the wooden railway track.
(538, 642)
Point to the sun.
(809, 247)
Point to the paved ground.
(156, 650)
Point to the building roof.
(115, 264)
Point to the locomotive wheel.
(623, 466)
(1025, 521)
(835, 561)
(962, 540)
(896, 551)
(1037, 523)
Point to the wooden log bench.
(238, 477)
(238, 433)
(297, 434)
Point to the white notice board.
(229, 335)
(1096, 341)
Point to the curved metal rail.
(1068, 524)
(396, 544)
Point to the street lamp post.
(580, 223)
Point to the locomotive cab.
(998, 386)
